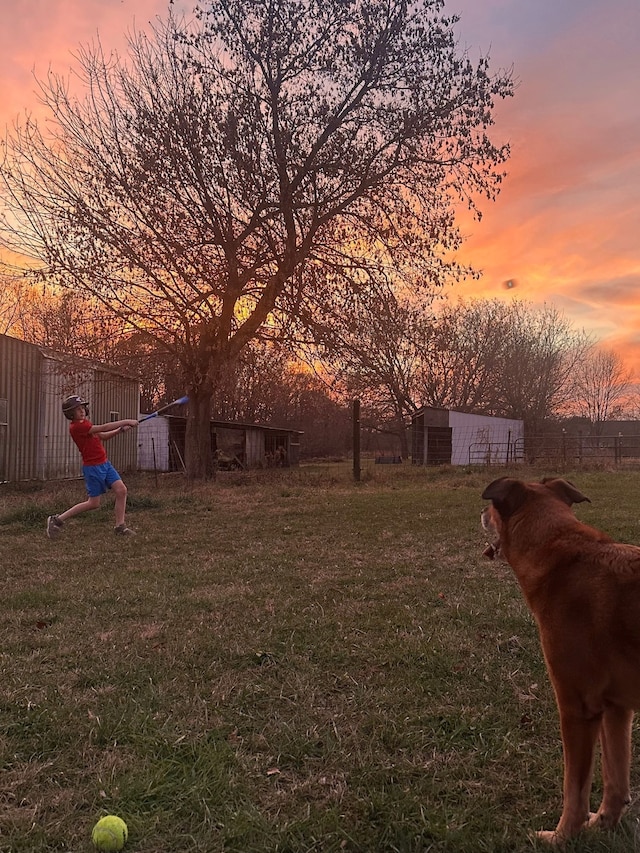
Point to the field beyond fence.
(281, 661)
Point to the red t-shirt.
(90, 446)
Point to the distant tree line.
(508, 359)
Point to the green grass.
(286, 661)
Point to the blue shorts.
(99, 478)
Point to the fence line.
(559, 449)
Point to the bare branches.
(602, 387)
(266, 148)
(483, 356)
(507, 359)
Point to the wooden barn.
(239, 446)
(34, 434)
(444, 437)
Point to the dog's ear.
(506, 494)
(565, 490)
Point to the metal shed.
(34, 435)
(445, 437)
(161, 443)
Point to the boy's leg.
(83, 506)
(114, 482)
(94, 481)
(55, 522)
(120, 491)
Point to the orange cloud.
(38, 34)
(565, 226)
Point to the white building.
(443, 437)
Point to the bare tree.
(463, 357)
(484, 356)
(8, 306)
(505, 359)
(69, 322)
(602, 387)
(374, 352)
(14, 295)
(542, 354)
(257, 385)
(245, 166)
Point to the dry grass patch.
(278, 663)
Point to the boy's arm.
(112, 427)
(105, 436)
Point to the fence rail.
(496, 452)
(559, 449)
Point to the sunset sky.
(566, 227)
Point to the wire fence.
(559, 450)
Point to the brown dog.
(584, 592)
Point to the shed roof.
(424, 409)
(240, 425)
(81, 361)
(72, 359)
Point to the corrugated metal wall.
(113, 398)
(20, 386)
(110, 397)
(35, 443)
(153, 445)
(60, 458)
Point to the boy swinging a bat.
(99, 474)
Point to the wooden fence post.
(356, 440)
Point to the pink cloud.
(37, 34)
(565, 225)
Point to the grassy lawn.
(286, 661)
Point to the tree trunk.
(199, 460)
(404, 442)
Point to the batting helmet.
(72, 403)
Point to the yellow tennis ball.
(110, 833)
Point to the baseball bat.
(179, 402)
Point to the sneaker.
(123, 530)
(53, 526)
